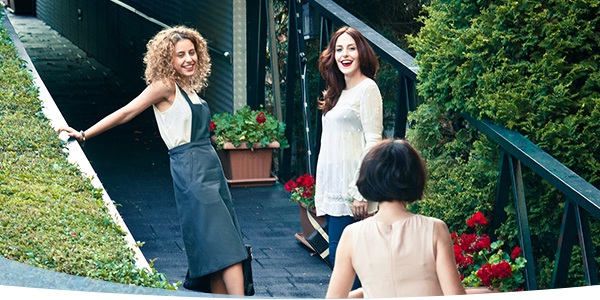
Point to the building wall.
(115, 34)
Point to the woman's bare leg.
(228, 281)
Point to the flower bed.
(302, 190)
(482, 262)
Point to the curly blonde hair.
(159, 56)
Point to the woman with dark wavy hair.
(352, 123)
(177, 67)
(395, 253)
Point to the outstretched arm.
(153, 94)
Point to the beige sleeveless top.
(395, 260)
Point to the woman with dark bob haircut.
(392, 172)
(395, 253)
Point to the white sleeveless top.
(175, 123)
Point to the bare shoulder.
(348, 230)
(441, 233)
(439, 226)
(160, 93)
(163, 88)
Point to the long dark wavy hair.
(334, 78)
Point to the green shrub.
(531, 66)
(51, 216)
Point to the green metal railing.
(580, 195)
(582, 198)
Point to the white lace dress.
(350, 129)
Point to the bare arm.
(153, 94)
(357, 293)
(445, 262)
(343, 273)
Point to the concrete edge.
(75, 152)
(29, 278)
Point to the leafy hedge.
(532, 66)
(51, 216)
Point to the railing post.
(587, 248)
(303, 61)
(574, 224)
(326, 28)
(290, 103)
(566, 240)
(504, 183)
(402, 108)
(523, 223)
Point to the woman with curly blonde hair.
(158, 58)
(177, 67)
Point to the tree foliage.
(532, 66)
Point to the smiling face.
(185, 58)
(346, 56)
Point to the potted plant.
(483, 263)
(245, 142)
(302, 191)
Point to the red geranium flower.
(516, 252)
(482, 262)
(307, 193)
(482, 242)
(306, 181)
(485, 274)
(467, 242)
(302, 190)
(501, 270)
(290, 186)
(261, 118)
(212, 126)
(477, 219)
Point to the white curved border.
(77, 156)
(13, 292)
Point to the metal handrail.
(558, 175)
(224, 54)
(389, 51)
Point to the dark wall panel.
(117, 37)
(214, 19)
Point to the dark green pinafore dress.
(211, 233)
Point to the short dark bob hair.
(392, 171)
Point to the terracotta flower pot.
(480, 290)
(245, 166)
(307, 227)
